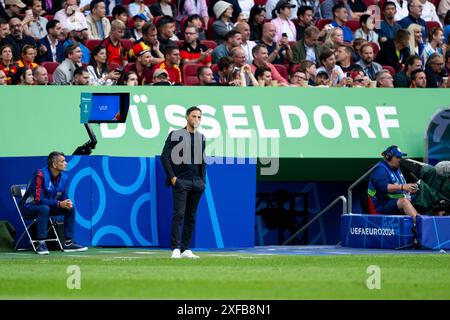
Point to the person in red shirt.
(171, 64)
(141, 67)
(28, 53)
(192, 50)
(114, 47)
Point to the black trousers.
(186, 196)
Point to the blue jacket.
(41, 190)
(381, 176)
(48, 57)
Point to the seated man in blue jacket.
(388, 189)
(46, 195)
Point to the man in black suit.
(17, 39)
(50, 44)
(184, 163)
(394, 52)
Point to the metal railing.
(350, 189)
(317, 216)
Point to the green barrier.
(238, 122)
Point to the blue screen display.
(105, 108)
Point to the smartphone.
(119, 70)
(29, 12)
(284, 35)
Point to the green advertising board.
(299, 123)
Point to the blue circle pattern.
(102, 197)
(124, 189)
(111, 230)
(73, 162)
(134, 212)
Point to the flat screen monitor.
(104, 107)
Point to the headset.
(388, 153)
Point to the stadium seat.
(209, 43)
(353, 25)
(17, 192)
(148, 3)
(390, 69)
(127, 44)
(282, 70)
(432, 24)
(51, 67)
(49, 17)
(215, 68)
(294, 68)
(209, 32)
(376, 48)
(190, 74)
(110, 18)
(322, 23)
(369, 3)
(130, 23)
(156, 20)
(126, 2)
(91, 43)
(261, 2)
(179, 43)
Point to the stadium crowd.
(303, 43)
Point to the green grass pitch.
(134, 273)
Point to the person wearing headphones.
(388, 189)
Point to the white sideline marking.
(144, 252)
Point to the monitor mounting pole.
(86, 149)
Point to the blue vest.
(395, 177)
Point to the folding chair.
(17, 192)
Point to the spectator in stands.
(232, 39)
(388, 27)
(188, 8)
(192, 51)
(256, 22)
(446, 27)
(415, 9)
(247, 45)
(384, 79)
(49, 45)
(367, 23)
(326, 8)
(335, 73)
(64, 73)
(367, 63)
(401, 9)
(307, 48)
(121, 13)
(309, 68)
(394, 52)
(166, 27)
(435, 71)
(75, 36)
(131, 79)
(402, 79)
(196, 21)
(143, 62)
(40, 76)
(7, 62)
(357, 44)
(339, 20)
(322, 79)
(205, 76)
(80, 77)
(447, 63)
(163, 8)
(272, 5)
(359, 79)
(443, 9)
(171, 64)
(388, 188)
(17, 39)
(264, 76)
(315, 5)
(27, 55)
(418, 79)
(71, 18)
(139, 23)
(435, 43)
(137, 7)
(99, 26)
(223, 12)
(239, 62)
(115, 51)
(277, 50)
(334, 39)
(298, 79)
(357, 9)
(241, 9)
(161, 78)
(416, 43)
(344, 55)
(282, 23)
(37, 26)
(305, 16)
(13, 8)
(23, 76)
(429, 12)
(150, 39)
(261, 59)
(98, 68)
(4, 29)
(225, 66)
(3, 81)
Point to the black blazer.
(180, 139)
(388, 55)
(48, 57)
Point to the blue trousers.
(43, 212)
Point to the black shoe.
(42, 248)
(73, 247)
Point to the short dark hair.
(388, 3)
(118, 10)
(337, 7)
(447, 54)
(3, 21)
(260, 71)
(231, 34)
(200, 70)
(163, 21)
(302, 9)
(193, 17)
(95, 3)
(363, 19)
(224, 63)
(401, 33)
(257, 48)
(51, 24)
(415, 72)
(148, 27)
(193, 108)
(410, 61)
(53, 156)
(347, 48)
(325, 54)
(79, 71)
(170, 48)
(70, 49)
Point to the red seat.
(209, 32)
(126, 2)
(282, 70)
(110, 18)
(215, 68)
(322, 23)
(50, 67)
(130, 23)
(179, 43)
(148, 3)
(390, 69)
(127, 44)
(353, 25)
(91, 43)
(49, 17)
(375, 48)
(432, 24)
(369, 3)
(295, 68)
(156, 20)
(190, 74)
(209, 43)
(372, 209)
(261, 2)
